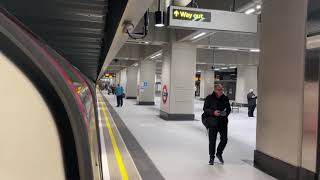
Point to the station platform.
(159, 149)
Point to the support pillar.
(178, 70)
(117, 78)
(158, 84)
(247, 78)
(132, 73)
(112, 80)
(280, 84)
(123, 79)
(146, 82)
(206, 83)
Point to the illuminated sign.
(165, 94)
(191, 15)
(209, 19)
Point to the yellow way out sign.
(210, 19)
(191, 15)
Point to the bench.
(235, 106)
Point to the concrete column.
(178, 70)
(132, 77)
(206, 83)
(117, 78)
(113, 80)
(247, 78)
(280, 85)
(146, 82)
(158, 84)
(123, 79)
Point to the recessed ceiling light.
(159, 25)
(224, 68)
(258, 6)
(254, 50)
(157, 55)
(250, 11)
(198, 35)
(232, 67)
(228, 49)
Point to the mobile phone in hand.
(224, 113)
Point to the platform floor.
(179, 150)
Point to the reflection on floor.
(180, 149)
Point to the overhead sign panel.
(188, 15)
(195, 18)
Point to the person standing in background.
(252, 102)
(119, 93)
(113, 89)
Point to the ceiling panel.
(222, 4)
(74, 28)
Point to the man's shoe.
(220, 158)
(211, 161)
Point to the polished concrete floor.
(180, 149)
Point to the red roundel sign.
(164, 94)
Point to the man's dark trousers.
(251, 109)
(222, 129)
(119, 100)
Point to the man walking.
(252, 102)
(119, 93)
(216, 111)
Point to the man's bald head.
(218, 88)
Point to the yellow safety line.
(121, 166)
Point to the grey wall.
(280, 80)
(232, 40)
(246, 80)
(123, 79)
(134, 11)
(221, 4)
(178, 72)
(146, 73)
(129, 51)
(311, 110)
(118, 78)
(206, 83)
(156, 34)
(132, 76)
(227, 57)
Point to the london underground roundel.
(164, 94)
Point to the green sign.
(191, 15)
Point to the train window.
(30, 142)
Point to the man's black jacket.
(213, 103)
(252, 99)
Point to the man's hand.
(216, 113)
